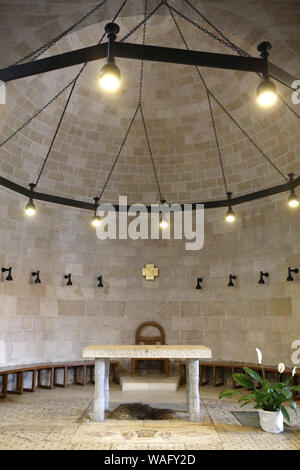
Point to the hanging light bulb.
(30, 208)
(266, 90)
(266, 93)
(110, 76)
(293, 201)
(96, 220)
(230, 214)
(163, 223)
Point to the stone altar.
(103, 353)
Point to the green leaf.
(228, 393)
(285, 414)
(244, 380)
(296, 388)
(253, 374)
(294, 406)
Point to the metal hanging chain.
(35, 54)
(37, 113)
(209, 103)
(142, 22)
(68, 100)
(139, 107)
(141, 110)
(233, 119)
(119, 152)
(224, 40)
(142, 62)
(150, 153)
(55, 134)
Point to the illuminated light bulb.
(163, 224)
(110, 77)
(96, 221)
(230, 216)
(30, 209)
(293, 200)
(266, 93)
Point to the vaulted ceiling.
(174, 101)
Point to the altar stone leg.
(193, 398)
(99, 395)
(106, 384)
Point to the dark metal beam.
(188, 57)
(207, 205)
(133, 51)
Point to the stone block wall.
(52, 321)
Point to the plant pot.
(271, 421)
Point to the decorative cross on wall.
(150, 272)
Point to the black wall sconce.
(231, 277)
(290, 271)
(262, 275)
(37, 277)
(9, 276)
(100, 281)
(69, 277)
(199, 280)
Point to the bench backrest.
(157, 339)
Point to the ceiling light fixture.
(30, 208)
(96, 221)
(266, 90)
(293, 201)
(110, 76)
(163, 220)
(230, 214)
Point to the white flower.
(294, 371)
(259, 355)
(281, 367)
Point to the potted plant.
(270, 399)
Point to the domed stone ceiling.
(174, 103)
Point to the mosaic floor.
(59, 419)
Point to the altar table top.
(158, 351)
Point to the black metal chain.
(139, 108)
(69, 97)
(226, 42)
(142, 62)
(150, 153)
(119, 152)
(55, 134)
(142, 22)
(209, 103)
(209, 92)
(37, 113)
(35, 54)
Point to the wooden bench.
(235, 367)
(37, 370)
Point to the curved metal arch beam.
(207, 205)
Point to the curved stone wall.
(54, 322)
